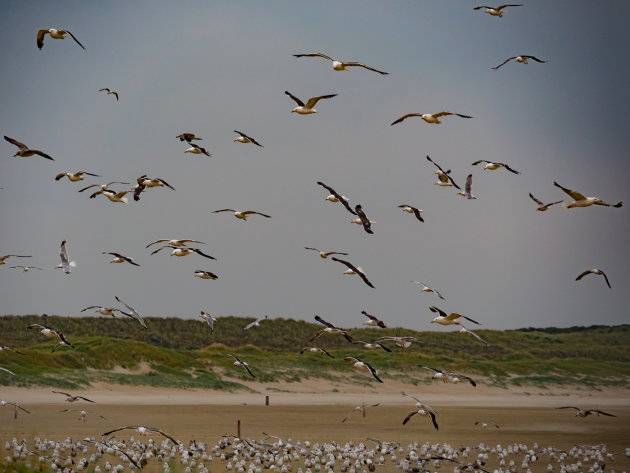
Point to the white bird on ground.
(118, 258)
(522, 59)
(361, 365)
(444, 177)
(430, 117)
(242, 364)
(56, 34)
(354, 270)
(581, 201)
(494, 165)
(74, 176)
(25, 151)
(423, 410)
(242, 214)
(412, 210)
(467, 189)
(199, 273)
(5, 257)
(594, 271)
(325, 255)
(243, 138)
(341, 66)
(209, 319)
(133, 313)
(65, 261)
(306, 109)
(497, 11)
(196, 149)
(256, 323)
(450, 319)
(183, 251)
(541, 206)
(109, 92)
(426, 288)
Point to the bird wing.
(416, 212)
(199, 252)
(432, 369)
(536, 200)
(508, 5)
(468, 187)
(439, 311)
(42, 154)
(367, 225)
(246, 366)
(250, 325)
(479, 161)
(433, 419)
(156, 241)
(358, 64)
(134, 313)
(413, 397)
(75, 38)
(298, 101)
(116, 94)
(85, 399)
(465, 330)
(161, 248)
(323, 322)
(317, 334)
(248, 212)
(61, 392)
(569, 407)
(65, 261)
(165, 435)
(455, 315)
(504, 62)
(22, 146)
(409, 416)
(355, 269)
(40, 38)
(446, 174)
(248, 137)
(534, 58)
(313, 55)
(313, 100)
(224, 210)
(576, 195)
(398, 120)
(606, 278)
(59, 176)
(602, 412)
(119, 428)
(341, 198)
(104, 88)
(509, 168)
(349, 414)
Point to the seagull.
(437, 374)
(426, 288)
(144, 182)
(336, 197)
(25, 151)
(242, 364)
(183, 251)
(373, 321)
(372, 345)
(429, 117)
(82, 414)
(315, 350)
(594, 271)
(118, 258)
(542, 207)
(26, 268)
(467, 189)
(341, 66)
(112, 196)
(75, 176)
(521, 58)
(492, 166)
(581, 201)
(102, 186)
(451, 319)
(497, 11)
(56, 34)
(585, 413)
(182, 242)
(354, 270)
(243, 138)
(360, 408)
(103, 310)
(331, 329)
(2, 368)
(65, 261)
(133, 313)
(50, 333)
(470, 332)
(325, 255)
(366, 222)
(209, 319)
(142, 431)
(360, 365)
(402, 342)
(196, 149)
(256, 323)
(242, 214)
(15, 405)
(486, 423)
(423, 410)
(109, 92)
(308, 108)
(4, 347)
(412, 210)
(71, 398)
(456, 378)
(205, 274)
(444, 176)
(5, 257)
(188, 137)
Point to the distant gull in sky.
(25, 268)
(118, 258)
(366, 222)
(340, 66)
(145, 182)
(429, 117)
(581, 201)
(175, 242)
(243, 138)
(497, 11)
(494, 165)
(338, 197)
(306, 109)
(5, 257)
(183, 251)
(523, 59)
(256, 323)
(445, 178)
(65, 261)
(196, 149)
(242, 364)
(451, 319)
(113, 196)
(364, 366)
(25, 151)
(373, 321)
(71, 398)
(331, 329)
(315, 350)
(426, 288)
(423, 410)
(354, 270)
(542, 207)
(199, 273)
(133, 313)
(412, 210)
(594, 271)
(75, 176)
(584, 412)
(56, 34)
(110, 92)
(327, 254)
(103, 310)
(188, 137)
(209, 319)
(360, 408)
(470, 332)
(102, 186)
(242, 214)
(467, 189)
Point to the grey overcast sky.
(211, 67)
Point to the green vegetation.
(186, 354)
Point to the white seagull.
(183, 251)
(56, 34)
(199, 273)
(75, 176)
(354, 270)
(412, 210)
(133, 313)
(118, 258)
(426, 288)
(360, 365)
(423, 410)
(102, 310)
(242, 364)
(522, 59)
(306, 109)
(585, 413)
(371, 345)
(71, 398)
(65, 261)
(208, 319)
(188, 137)
(341, 66)
(256, 323)
(493, 165)
(373, 321)
(112, 195)
(25, 151)
(542, 207)
(430, 117)
(315, 350)
(581, 201)
(242, 214)
(360, 408)
(450, 319)
(196, 149)
(467, 189)
(331, 329)
(336, 197)
(325, 255)
(5, 257)
(181, 242)
(109, 92)
(402, 342)
(142, 431)
(26, 268)
(497, 11)
(444, 177)
(594, 271)
(50, 333)
(102, 186)
(243, 138)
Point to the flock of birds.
(255, 455)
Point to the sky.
(214, 67)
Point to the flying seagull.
(112, 195)
(256, 323)
(4, 347)
(183, 251)
(325, 255)
(422, 409)
(24, 151)
(426, 288)
(341, 66)
(65, 261)
(585, 413)
(444, 176)
(182, 242)
(196, 149)
(243, 138)
(75, 176)
(5, 257)
(315, 350)
(373, 321)
(430, 117)
(103, 310)
(118, 258)
(199, 273)
(581, 201)
(71, 398)
(371, 345)
(402, 342)
(102, 186)
(210, 320)
(50, 333)
(354, 270)
(486, 423)
(412, 210)
(456, 378)
(133, 313)
(361, 365)
(522, 59)
(145, 182)
(2, 368)
(188, 137)
(109, 92)
(82, 413)
(360, 408)
(15, 405)
(142, 431)
(242, 214)
(497, 11)
(594, 271)
(437, 373)
(26, 268)
(493, 165)
(470, 332)
(56, 34)
(242, 364)
(331, 329)
(366, 222)
(542, 207)
(307, 109)
(467, 188)
(338, 197)
(451, 319)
